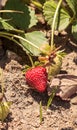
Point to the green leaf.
(73, 5)
(36, 40)
(6, 26)
(51, 97)
(62, 19)
(23, 20)
(74, 29)
(4, 110)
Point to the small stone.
(13, 94)
(48, 111)
(23, 121)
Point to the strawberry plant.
(14, 22)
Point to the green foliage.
(62, 19)
(27, 41)
(38, 3)
(73, 6)
(20, 16)
(74, 29)
(14, 26)
(42, 1)
(23, 20)
(36, 40)
(26, 1)
(4, 25)
(51, 97)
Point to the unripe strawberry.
(37, 78)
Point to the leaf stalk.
(53, 23)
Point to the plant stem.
(10, 11)
(30, 58)
(12, 39)
(53, 23)
(41, 116)
(18, 37)
(2, 82)
(37, 4)
(51, 97)
(18, 44)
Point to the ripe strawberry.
(37, 78)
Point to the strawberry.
(37, 78)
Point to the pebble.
(48, 111)
(13, 94)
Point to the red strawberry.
(37, 78)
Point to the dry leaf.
(4, 110)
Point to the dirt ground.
(24, 112)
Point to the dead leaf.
(4, 110)
(67, 86)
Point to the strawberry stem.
(53, 23)
(41, 116)
(30, 58)
(10, 11)
(12, 36)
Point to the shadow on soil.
(56, 103)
